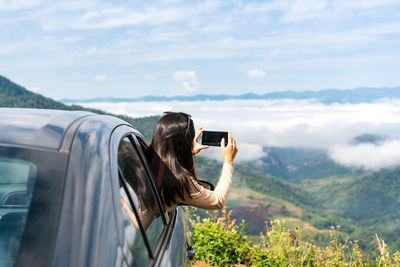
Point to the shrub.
(219, 241)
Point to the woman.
(171, 157)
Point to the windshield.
(28, 180)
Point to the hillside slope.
(13, 95)
(370, 202)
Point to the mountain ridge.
(327, 96)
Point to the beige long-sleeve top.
(204, 198)
(200, 197)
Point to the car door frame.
(116, 137)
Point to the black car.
(74, 191)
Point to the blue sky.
(85, 49)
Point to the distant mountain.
(270, 185)
(367, 138)
(295, 164)
(328, 96)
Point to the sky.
(290, 123)
(86, 49)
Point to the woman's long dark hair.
(170, 156)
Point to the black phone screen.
(213, 138)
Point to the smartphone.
(213, 138)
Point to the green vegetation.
(296, 164)
(363, 203)
(269, 185)
(219, 242)
(13, 95)
(369, 202)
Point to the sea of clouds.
(290, 123)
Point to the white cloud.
(301, 6)
(187, 31)
(250, 152)
(100, 77)
(149, 76)
(301, 45)
(119, 17)
(247, 152)
(8, 5)
(301, 10)
(171, 1)
(255, 73)
(364, 4)
(368, 156)
(290, 123)
(188, 80)
(8, 49)
(304, 9)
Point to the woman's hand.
(229, 152)
(196, 146)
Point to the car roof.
(43, 128)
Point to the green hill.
(373, 198)
(370, 202)
(296, 164)
(13, 95)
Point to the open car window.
(132, 228)
(138, 197)
(143, 150)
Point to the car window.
(145, 150)
(132, 230)
(31, 182)
(27, 205)
(17, 178)
(146, 211)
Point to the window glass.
(31, 184)
(133, 235)
(143, 198)
(17, 178)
